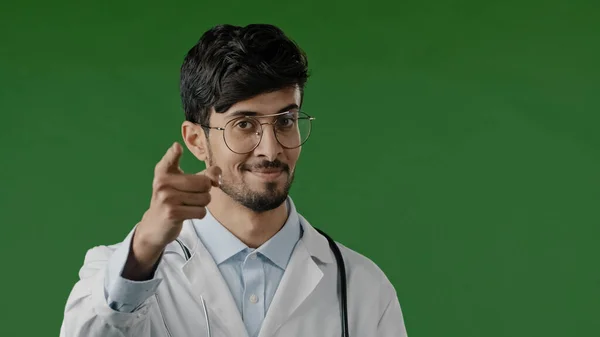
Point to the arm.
(111, 296)
(88, 313)
(391, 323)
(128, 284)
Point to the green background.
(456, 145)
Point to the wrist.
(142, 259)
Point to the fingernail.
(220, 180)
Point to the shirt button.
(253, 298)
(253, 257)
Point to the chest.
(178, 310)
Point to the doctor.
(224, 252)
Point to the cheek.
(232, 163)
(292, 157)
(221, 153)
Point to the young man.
(223, 252)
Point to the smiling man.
(224, 252)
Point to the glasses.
(243, 134)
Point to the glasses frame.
(306, 116)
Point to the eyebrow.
(254, 113)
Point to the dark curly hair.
(232, 63)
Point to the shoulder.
(360, 265)
(359, 268)
(100, 253)
(366, 278)
(96, 259)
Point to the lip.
(267, 174)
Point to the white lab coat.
(305, 303)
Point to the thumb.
(170, 161)
(214, 174)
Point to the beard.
(258, 201)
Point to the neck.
(252, 228)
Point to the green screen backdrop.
(456, 145)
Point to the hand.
(175, 197)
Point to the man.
(223, 252)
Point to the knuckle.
(171, 213)
(163, 196)
(159, 182)
(159, 195)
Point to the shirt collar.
(222, 244)
(279, 248)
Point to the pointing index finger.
(169, 163)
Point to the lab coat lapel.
(299, 280)
(207, 282)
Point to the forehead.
(266, 103)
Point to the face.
(259, 180)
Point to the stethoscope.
(341, 269)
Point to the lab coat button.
(253, 298)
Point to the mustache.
(265, 164)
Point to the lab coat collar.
(208, 285)
(301, 277)
(315, 243)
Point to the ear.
(195, 139)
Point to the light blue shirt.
(252, 275)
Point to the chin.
(268, 188)
(258, 194)
(263, 201)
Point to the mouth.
(267, 174)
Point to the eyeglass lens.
(243, 134)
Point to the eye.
(286, 121)
(243, 124)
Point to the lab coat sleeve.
(122, 294)
(87, 313)
(391, 323)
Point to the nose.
(268, 147)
